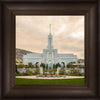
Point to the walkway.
(34, 77)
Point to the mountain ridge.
(20, 53)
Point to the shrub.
(52, 71)
(36, 71)
(30, 65)
(62, 71)
(56, 75)
(21, 66)
(28, 72)
(81, 74)
(36, 66)
(71, 65)
(80, 66)
(19, 74)
(75, 72)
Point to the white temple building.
(49, 56)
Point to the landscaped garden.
(35, 70)
(72, 72)
(48, 76)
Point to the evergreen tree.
(30, 65)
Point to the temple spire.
(49, 28)
(50, 46)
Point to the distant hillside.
(20, 53)
(81, 60)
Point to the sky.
(67, 33)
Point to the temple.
(50, 56)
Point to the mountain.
(20, 53)
(81, 60)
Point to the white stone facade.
(49, 56)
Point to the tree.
(21, 66)
(36, 65)
(58, 65)
(30, 65)
(54, 66)
(36, 72)
(71, 65)
(42, 65)
(63, 64)
(46, 66)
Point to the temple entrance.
(50, 65)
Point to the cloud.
(68, 33)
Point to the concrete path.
(34, 77)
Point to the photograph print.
(50, 50)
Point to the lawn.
(49, 81)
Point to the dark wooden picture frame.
(9, 9)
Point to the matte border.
(8, 89)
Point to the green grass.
(23, 81)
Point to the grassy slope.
(49, 81)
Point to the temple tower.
(50, 46)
